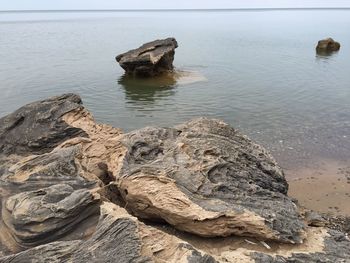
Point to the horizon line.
(176, 9)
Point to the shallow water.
(257, 70)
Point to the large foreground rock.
(327, 45)
(206, 178)
(212, 195)
(150, 59)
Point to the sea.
(255, 69)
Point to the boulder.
(327, 45)
(204, 192)
(206, 178)
(151, 59)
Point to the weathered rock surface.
(327, 45)
(50, 169)
(38, 127)
(57, 166)
(150, 59)
(37, 217)
(119, 237)
(206, 178)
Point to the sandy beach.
(323, 185)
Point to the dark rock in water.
(60, 171)
(150, 59)
(206, 178)
(327, 45)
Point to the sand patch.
(322, 186)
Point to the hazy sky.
(163, 4)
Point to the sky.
(163, 4)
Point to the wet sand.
(322, 185)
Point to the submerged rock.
(327, 45)
(150, 59)
(60, 171)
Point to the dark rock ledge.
(73, 190)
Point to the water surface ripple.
(259, 68)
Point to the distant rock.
(151, 59)
(327, 45)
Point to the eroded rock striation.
(206, 178)
(73, 190)
(327, 45)
(151, 59)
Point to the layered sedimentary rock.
(38, 127)
(150, 59)
(119, 237)
(40, 216)
(50, 171)
(206, 178)
(327, 45)
(60, 171)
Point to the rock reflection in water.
(325, 54)
(142, 92)
(146, 91)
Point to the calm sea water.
(260, 68)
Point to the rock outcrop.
(206, 178)
(327, 45)
(75, 191)
(151, 59)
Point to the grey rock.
(150, 59)
(118, 238)
(38, 217)
(37, 127)
(40, 171)
(204, 177)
